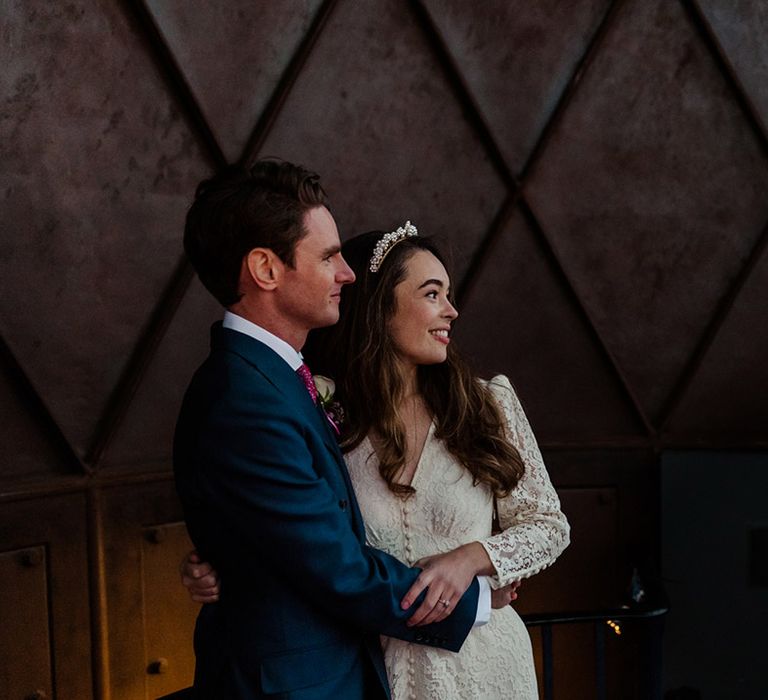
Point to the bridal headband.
(389, 241)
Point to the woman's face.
(421, 324)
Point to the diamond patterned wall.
(636, 127)
(652, 200)
(97, 169)
(597, 170)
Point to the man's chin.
(330, 320)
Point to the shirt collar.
(278, 345)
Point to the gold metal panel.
(45, 635)
(25, 641)
(149, 619)
(169, 614)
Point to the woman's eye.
(432, 294)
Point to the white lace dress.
(447, 511)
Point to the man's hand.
(502, 597)
(446, 576)
(199, 578)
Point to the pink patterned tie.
(306, 377)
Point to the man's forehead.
(321, 229)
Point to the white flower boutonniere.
(326, 388)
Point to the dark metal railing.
(649, 616)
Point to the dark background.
(599, 171)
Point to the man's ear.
(264, 268)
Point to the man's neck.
(270, 322)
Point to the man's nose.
(344, 274)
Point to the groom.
(265, 490)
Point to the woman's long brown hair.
(358, 353)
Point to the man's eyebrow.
(330, 251)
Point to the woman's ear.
(264, 268)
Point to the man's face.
(310, 293)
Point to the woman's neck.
(409, 375)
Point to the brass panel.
(169, 614)
(149, 617)
(46, 605)
(25, 642)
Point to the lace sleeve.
(534, 530)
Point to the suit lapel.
(357, 516)
(287, 382)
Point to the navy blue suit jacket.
(268, 501)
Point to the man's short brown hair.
(241, 209)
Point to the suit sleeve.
(253, 470)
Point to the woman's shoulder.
(504, 393)
(499, 385)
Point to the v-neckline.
(417, 469)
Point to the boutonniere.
(326, 388)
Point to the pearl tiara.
(389, 241)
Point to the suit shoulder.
(224, 371)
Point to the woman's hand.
(502, 597)
(199, 578)
(446, 576)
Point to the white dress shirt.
(295, 360)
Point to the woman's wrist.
(480, 561)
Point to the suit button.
(343, 504)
